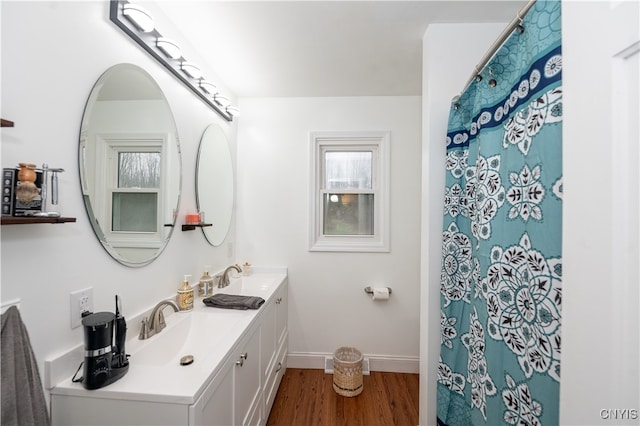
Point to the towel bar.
(370, 290)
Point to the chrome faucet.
(156, 323)
(224, 278)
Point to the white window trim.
(110, 146)
(379, 241)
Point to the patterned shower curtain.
(502, 267)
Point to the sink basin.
(194, 333)
(197, 332)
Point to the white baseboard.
(387, 363)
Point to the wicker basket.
(347, 371)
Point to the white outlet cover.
(80, 301)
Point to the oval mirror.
(214, 184)
(130, 165)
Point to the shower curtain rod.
(496, 45)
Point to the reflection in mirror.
(214, 184)
(130, 165)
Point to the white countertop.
(164, 379)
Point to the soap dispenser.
(205, 285)
(185, 295)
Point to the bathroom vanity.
(239, 360)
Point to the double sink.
(206, 334)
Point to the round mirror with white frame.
(130, 165)
(215, 184)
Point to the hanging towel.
(231, 301)
(23, 400)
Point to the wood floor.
(306, 398)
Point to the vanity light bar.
(139, 17)
(221, 100)
(191, 70)
(138, 24)
(208, 87)
(233, 111)
(169, 48)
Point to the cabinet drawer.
(274, 379)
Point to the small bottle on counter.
(246, 269)
(205, 285)
(185, 295)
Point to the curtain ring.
(493, 82)
(520, 28)
(478, 78)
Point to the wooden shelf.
(23, 220)
(5, 123)
(191, 227)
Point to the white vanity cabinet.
(233, 383)
(274, 346)
(232, 398)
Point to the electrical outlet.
(81, 302)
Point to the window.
(135, 197)
(349, 202)
(134, 183)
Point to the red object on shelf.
(193, 218)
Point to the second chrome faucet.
(224, 278)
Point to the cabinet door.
(247, 377)
(268, 339)
(282, 312)
(215, 406)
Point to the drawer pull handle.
(279, 367)
(278, 300)
(243, 357)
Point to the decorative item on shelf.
(194, 219)
(138, 24)
(27, 172)
(25, 191)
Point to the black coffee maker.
(105, 360)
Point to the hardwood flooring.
(306, 398)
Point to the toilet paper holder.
(369, 290)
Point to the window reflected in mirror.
(139, 169)
(130, 165)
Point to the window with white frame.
(134, 181)
(349, 187)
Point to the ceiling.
(321, 48)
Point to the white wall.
(449, 55)
(328, 307)
(600, 322)
(52, 54)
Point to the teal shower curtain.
(501, 274)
